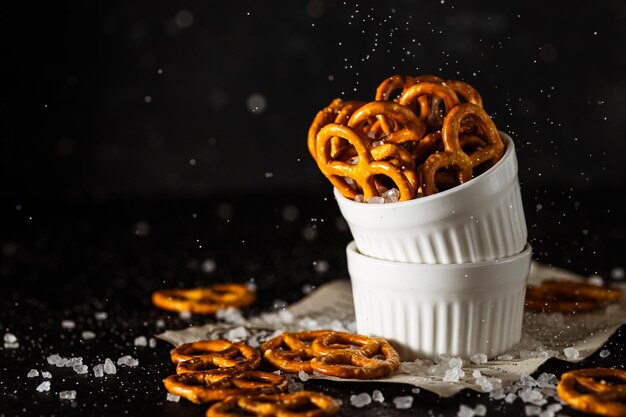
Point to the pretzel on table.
(590, 390)
(290, 351)
(299, 404)
(228, 356)
(204, 300)
(566, 296)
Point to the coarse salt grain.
(403, 402)
(140, 341)
(9, 338)
(53, 359)
(68, 324)
(98, 370)
(360, 400)
(480, 410)
(378, 396)
(303, 376)
(80, 369)
(185, 315)
(127, 360)
(172, 397)
(32, 373)
(87, 335)
(67, 395)
(505, 357)
(604, 353)
(101, 315)
(109, 367)
(479, 358)
(465, 411)
(44, 386)
(570, 353)
(152, 342)
(46, 374)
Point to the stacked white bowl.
(446, 273)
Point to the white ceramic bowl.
(427, 310)
(482, 219)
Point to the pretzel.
(565, 296)
(364, 171)
(338, 111)
(426, 112)
(236, 357)
(202, 388)
(289, 352)
(299, 404)
(360, 363)
(589, 391)
(203, 300)
(453, 155)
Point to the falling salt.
(98, 371)
(67, 395)
(415, 390)
(87, 335)
(375, 200)
(46, 374)
(570, 353)
(109, 367)
(172, 397)
(68, 324)
(403, 402)
(479, 358)
(360, 400)
(378, 396)
(80, 369)
(44, 386)
(303, 376)
(140, 341)
(604, 353)
(33, 373)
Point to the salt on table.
(80, 369)
(172, 397)
(46, 374)
(403, 402)
(88, 335)
(378, 396)
(67, 395)
(140, 341)
(360, 400)
(33, 373)
(98, 370)
(109, 367)
(479, 358)
(570, 353)
(604, 353)
(44, 386)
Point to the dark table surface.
(69, 261)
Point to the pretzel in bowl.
(566, 296)
(291, 351)
(204, 300)
(373, 358)
(225, 356)
(338, 111)
(203, 388)
(364, 172)
(595, 390)
(299, 404)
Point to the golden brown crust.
(588, 390)
(204, 300)
(566, 296)
(299, 404)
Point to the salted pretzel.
(410, 97)
(338, 111)
(453, 155)
(373, 358)
(363, 172)
(407, 127)
(202, 388)
(290, 351)
(233, 357)
(592, 390)
(204, 300)
(566, 296)
(299, 404)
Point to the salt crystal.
(479, 358)
(159, 323)
(10, 338)
(527, 354)
(294, 386)
(465, 411)
(510, 397)
(375, 200)
(109, 367)
(360, 400)
(303, 376)
(101, 315)
(68, 324)
(237, 334)
(185, 315)
(476, 373)
(532, 410)
(127, 360)
(71, 362)
(618, 273)
(391, 196)
(46, 374)
(152, 342)
(378, 396)
(403, 402)
(555, 407)
(377, 143)
(359, 198)
(531, 396)
(208, 266)
(547, 380)
(505, 357)
(484, 384)
(285, 316)
(98, 371)
(415, 390)
(44, 386)
(497, 394)
(88, 335)
(62, 362)
(480, 410)
(33, 373)
(13, 345)
(452, 375)
(595, 280)
(604, 353)
(570, 353)
(546, 413)
(172, 397)
(67, 395)
(230, 314)
(455, 363)
(80, 369)
(140, 341)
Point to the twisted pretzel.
(565, 296)
(338, 111)
(203, 388)
(231, 357)
(203, 300)
(412, 127)
(289, 352)
(299, 404)
(363, 171)
(360, 363)
(424, 89)
(588, 390)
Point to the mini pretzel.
(204, 300)
(407, 126)
(202, 388)
(236, 357)
(463, 89)
(453, 155)
(289, 352)
(565, 296)
(414, 93)
(589, 391)
(338, 111)
(360, 363)
(299, 404)
(364, 171)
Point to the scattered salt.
(101, 315)
(465, 411)
(375, 200)
(604, 353)
(172, 397)
(208, 266)
(510, 397)
(46, 374)
(140, 341)
(303, 376)
(67, 395)
(532, 410)
(479, 358)
(9, 338)
(476, 373)
(403, 402)
(391, 196)
(484, 383)
(497, 394)
(184, 315)
(415, 390)
(88, 335)
(480, 410)
(359, 198)
(237, 334)
(455, 363)
(378, 396)
(98, 370)
(360, 400)
(230, 315)
(159, 323)
(570, 353)
(33, 373)
(68, 324)
(152, 342)
(80, 369)
(294, 386)
(127, 360)
(109, 367)
(44, 386)
(452, 375)
(505, 357)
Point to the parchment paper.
(330, 307)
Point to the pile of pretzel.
(226, 373)
(433, 136)
(569, 297)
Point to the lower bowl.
(426, 310)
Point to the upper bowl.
(480, 220)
